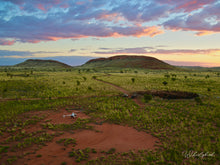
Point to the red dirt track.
(122, 138)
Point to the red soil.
(102, 138)
(122, 138)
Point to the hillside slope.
(36, 63)
(124, 61)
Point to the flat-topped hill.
(125, 61)
(37, 63)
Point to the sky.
(180, 32)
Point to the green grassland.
(182, 125)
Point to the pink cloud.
(204, 22)
(136, 31)
(6, 42)
(41, 7)
(194, 4)
(187, 5)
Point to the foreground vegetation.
(188, 129)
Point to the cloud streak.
(20, 54)
(156, 51)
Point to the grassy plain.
(188, 129)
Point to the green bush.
(133, 80)
(165, 83)
(167, 76)
(198, 100)
(147, 98)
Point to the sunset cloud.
(34, 30)
(207, 21)
(187, 5)
(44, 20)
(6, 42)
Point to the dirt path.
(115, 86)
(124, 91)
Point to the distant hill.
(125, 61)
(36, 63)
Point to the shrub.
(165, 83)
(167, 75)
(111, 151)
(198, 100)
(133, 80)
(38, 156)
(147, 98)
(78, 82)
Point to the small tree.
(167, 76)
(133, 80)
(165, 83)
(147, 98)
(198, 100)
(78, 82)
